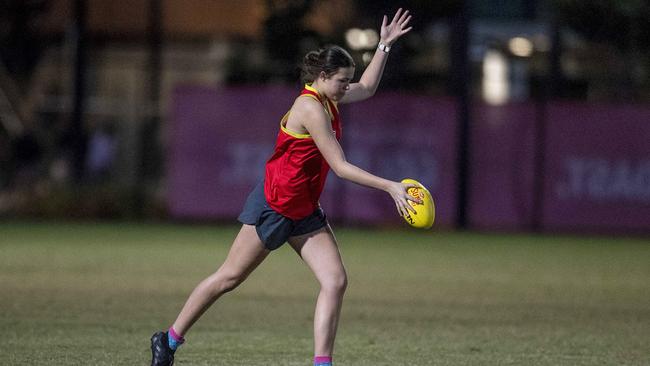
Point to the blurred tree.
(623, 25)
(399, 75)
(283, 31)
(423, 11)
(504, 9)
(20, 45)
(20, 50)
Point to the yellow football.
(425, 211)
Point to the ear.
(322, 75)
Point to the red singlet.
(296, 172)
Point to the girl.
(284, 207)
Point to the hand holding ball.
(425, 211)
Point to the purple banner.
(400, 136)
(502, 166)
(221, 139)
(598, 168)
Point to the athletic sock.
(174, 339)
(323, 361)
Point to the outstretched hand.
(397, 27)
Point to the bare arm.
(367, 85)
(316, 121)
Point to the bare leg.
(246, 253)
(320, 252)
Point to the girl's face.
(336, 85)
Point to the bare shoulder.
(304, 112)
(306, 105)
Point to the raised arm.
(371, 76)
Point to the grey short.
(273, 228)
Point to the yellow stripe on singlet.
(286, 116)
(292, 133)
(312, 89)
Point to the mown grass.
(93, 293)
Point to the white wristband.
(384, 47)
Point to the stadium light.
(367, 57)
(495, 85)
(359, 39)
(520, 46)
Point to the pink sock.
(322, 360)
(178, 338)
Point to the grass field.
(93, 293)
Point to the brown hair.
(328, 59)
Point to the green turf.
(92, 294)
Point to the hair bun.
(327, 59)
(313, 56)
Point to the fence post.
(461, 81)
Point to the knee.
(220, 283)
(336, 283)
